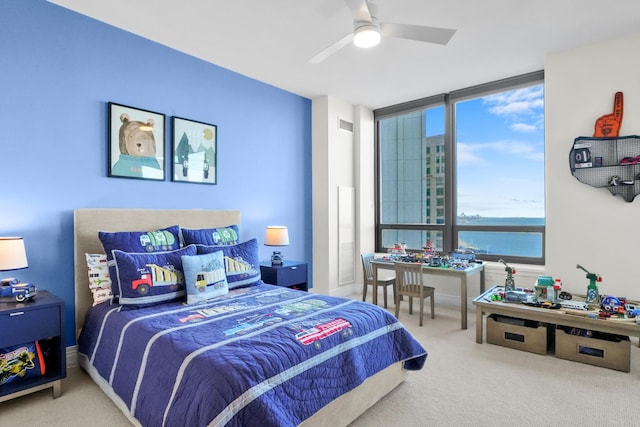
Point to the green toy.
(593, 296)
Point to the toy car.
(19, 291)
(632, 310)
(630, 160)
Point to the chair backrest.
(367, 269)
(409, 277)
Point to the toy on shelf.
(593, 297)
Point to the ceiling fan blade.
(417, 32)
(327, 52)
(359, 9)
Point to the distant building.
(413, 186)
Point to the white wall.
(587, 225)
(365, 184)
(340, 159)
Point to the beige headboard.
(87, 223)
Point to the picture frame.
(136, 143)
(195, 151)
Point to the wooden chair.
(367, 278)
(410, 282)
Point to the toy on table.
(549, 289)
(398, 248)
(593, 297)
(509, 282)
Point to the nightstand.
(292, 274)
(39, 320)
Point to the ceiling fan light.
(366, 36)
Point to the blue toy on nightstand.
(17, 290)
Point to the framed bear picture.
(136, 143)
(194, 151)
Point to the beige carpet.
(463, 383)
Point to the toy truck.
(157, 240)
(210, 278)
(154, 275)
(318, 332)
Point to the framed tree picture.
(136, 143)
(194, 151)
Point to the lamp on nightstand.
(276, 235)
(12, 254)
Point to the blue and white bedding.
(259, 355)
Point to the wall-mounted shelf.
(612, 163)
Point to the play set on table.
(456, 260)
(579, 344)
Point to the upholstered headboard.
(87, 223)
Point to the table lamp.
(276, 235)
(12, 254)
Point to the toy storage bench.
(609, 345)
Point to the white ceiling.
(272, 40)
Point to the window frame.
(450, 229)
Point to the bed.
(256, 355)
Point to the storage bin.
(599, 349)
(20, 362)
(521, 334)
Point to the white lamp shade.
(276, 235)
(12, 253)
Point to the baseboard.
(452, 300)
(72, 356)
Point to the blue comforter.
(261, 355)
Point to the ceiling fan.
(368, 31)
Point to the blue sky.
(500, 154)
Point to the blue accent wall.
(59, 69)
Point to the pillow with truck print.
(204, 277)
(241, 262)
(164, 239)
(219, 236)
(149, 279)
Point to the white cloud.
(523, 106)
(501, 202)
(468, 154)
(523, 127)
(474, 153)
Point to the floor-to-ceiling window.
(465, 170)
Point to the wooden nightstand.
(39, 320)
(292, 274)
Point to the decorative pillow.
(211, 236)
(99, 279)
(241, 262)
(165, 239)
(148, 279)
(204, 276)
